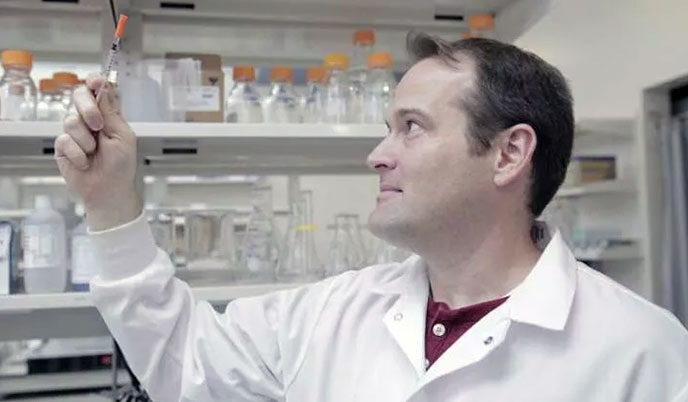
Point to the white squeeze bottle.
(84, 266)
(45, 256)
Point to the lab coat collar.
(544, 298)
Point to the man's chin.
(391, 229)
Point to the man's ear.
(514, 150)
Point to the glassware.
(281, 105)
(210, 238)
(386, 253)
(345, 249)
(298, 259)
(46, 90)
(66, 83)
(379, 87)
(313, 100)
(337, 89)
(161, 227)
(363, 40)
(481, 26)
(17, 89)
(243, 101)
(356, 234)
(260, 247)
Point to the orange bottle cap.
(336, 61)
(281, 74)
(121, 24)
(481, 21)
(65, 79)
(46, 85)
(315, 74)
(380, 60)
(364, 37)
(17, 58)
(466, 35)
(243, 73)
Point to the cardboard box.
(206, 103)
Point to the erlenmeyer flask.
(339, 259)
(359, 256)
(298, 260)
(260, 248)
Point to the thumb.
(113, 123)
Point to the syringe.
(112, 54)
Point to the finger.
(94, 81)
(114, 124)
(67, 148)
(75, 126)
(85, 104)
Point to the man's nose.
(382, 158)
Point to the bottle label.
(194, 98)
(83, 263)
(40, 246)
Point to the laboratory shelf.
(612, 253)
(604, 129)
(61, 382)
(72, 314)
(609, 187)
(26, 148)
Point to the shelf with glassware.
(26, 148)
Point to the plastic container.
(338, 89)
(481, 26)
(281, 103)
(313, 100)
(379, 88)
(18, 96)
(210, 238)
(66, 82)
(84, 266)
(243, 101)
(363, 43)
(45, 254)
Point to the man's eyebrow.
(412, 110)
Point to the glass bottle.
(313, 101)
(46, 90)
(481, 26)
(337, 89)
(345, 250)
(243, 101)
(66, 83)
(281, 105)
(360, 256)
(363, 41)
(379, 88)
(298, 260)
(17, 89)
(260, 248)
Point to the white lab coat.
(566, 333)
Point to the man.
(480, 135)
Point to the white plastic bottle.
(44, 243)
(379, 87)
(313, 100)
(84, 266)
(281, 105)
(337, 89)
(243, 101)
(17, 89)
(363, 41)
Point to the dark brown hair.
(512, 86)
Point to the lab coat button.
(427, 363)
(398, 316)
(439, 330)
(488, 340)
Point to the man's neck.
(488, 265)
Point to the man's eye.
(412, 126)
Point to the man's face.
(430, 183)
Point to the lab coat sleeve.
(183, 350)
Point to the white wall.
(611, 49)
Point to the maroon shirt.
(443, 326)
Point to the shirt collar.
(544, 298)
